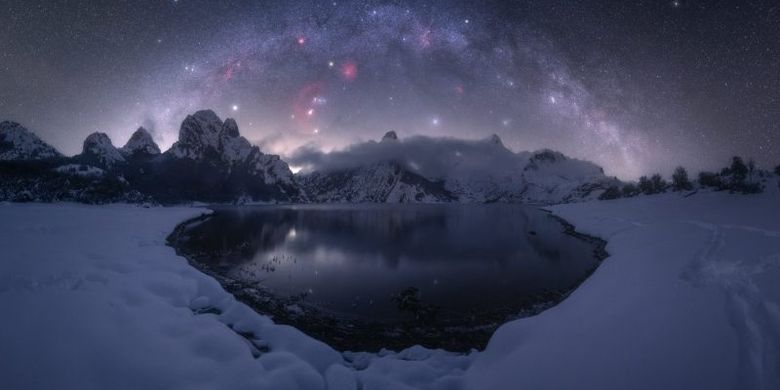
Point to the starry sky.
(635, 86)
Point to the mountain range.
(212, 162)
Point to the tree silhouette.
(738, 169)
(710, 179)
(680, 181)
(645, 185)
(659, 184)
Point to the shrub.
(630, 190)
(680, 181)
(612, 192)
(659, 184)
(710, 179)
(777, 170)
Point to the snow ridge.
(18, 143)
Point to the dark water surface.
(357, 274)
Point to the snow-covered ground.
(688, 299)
(93, 299)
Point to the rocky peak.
(140, 143)
(198, 133)
(495, 139)
(229, 129)
(99, 150)
(232, 146)
(390, 136)
(546, 164)
(18, 143)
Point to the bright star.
(235, 107)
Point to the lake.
(366, 276)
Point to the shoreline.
(339, 331)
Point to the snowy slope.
(18, 143)
(94, 299)
(381, 182)
(688, 300)
(80, 170)
(425, 169)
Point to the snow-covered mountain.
(211, 161)
(18, 143)
(382, 182)
(204, 137)
(424, 169)
(140, 144)
(551, 175)
(99, 151)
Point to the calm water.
(351, 260)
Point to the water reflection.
(353, 259)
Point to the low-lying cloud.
(429, 156)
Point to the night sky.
(635, 86)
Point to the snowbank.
(93, 299)
(688, 300)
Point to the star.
(235, 107)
